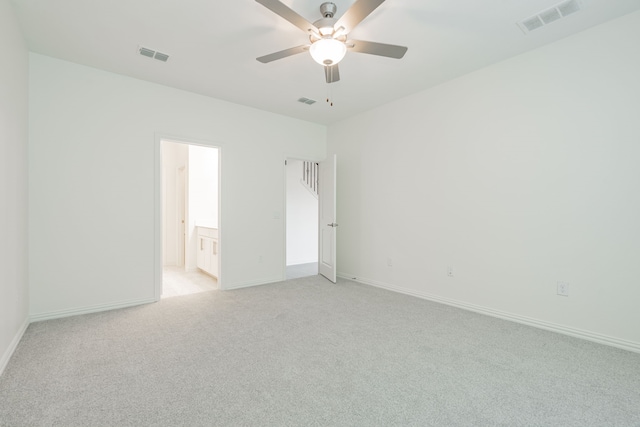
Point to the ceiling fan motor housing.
(325, 26)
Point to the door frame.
(181, 218)
(158, 201)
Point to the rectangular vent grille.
(307, 101)
(149, 53)
(161, 56)
(547, 16)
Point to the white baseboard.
(87, 310)
(541, 324)
(12, 346)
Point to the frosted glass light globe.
(328, 51)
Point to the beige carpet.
(310, 353)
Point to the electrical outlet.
(260, 258)
(450, 271)
(563, 289)
(389, 262)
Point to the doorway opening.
(190, 194)
(301, 218)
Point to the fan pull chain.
(329, 101)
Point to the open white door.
(327, 218)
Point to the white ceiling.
(213, 45)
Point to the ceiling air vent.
(547, 16)
(146, 52)
(532, 23)
(149, 53)
(307, 101)
(161, 56)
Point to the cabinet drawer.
(208, 232)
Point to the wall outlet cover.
(563, 289)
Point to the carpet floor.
(307, 352)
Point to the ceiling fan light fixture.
(328, 51)
(325, 31)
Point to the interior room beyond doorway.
(302, 218)
(190, 218)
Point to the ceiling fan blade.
(331, 73)
(285, 12)
(356, 14)
(283, 53)
(373, 48)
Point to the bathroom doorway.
(190, 194)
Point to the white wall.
(203, 196)
(302, 218)
(93, 152)
(519, 175)
(14, 291)
(174, 156)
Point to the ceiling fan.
(328, 36)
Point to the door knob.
(333, 224)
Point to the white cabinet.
(207, 259)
